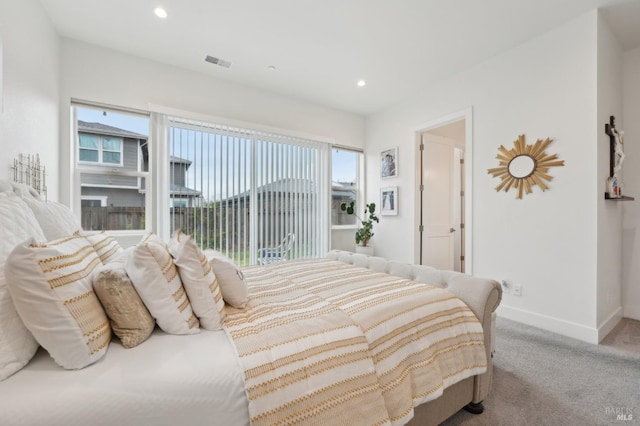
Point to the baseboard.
(608, 325)
(632, 312)
(555, 325)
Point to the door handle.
(452, 230)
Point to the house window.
(102, 149)
(178, 202)
(111, 198)
(345, 178)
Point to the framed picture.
(389, 163)
(389, 200)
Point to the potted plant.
(365, 232)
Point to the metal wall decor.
(524, 166)
(28, 170)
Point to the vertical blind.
(239, 191)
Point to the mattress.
(197, 380)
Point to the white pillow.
(154, 275)
(231, 279)
(17, 344)
(199, 281)
(105, 245)
(56, 220)
(51, 288)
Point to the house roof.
(179, 190)
(178, 160)
(289, 185)
(104, 129)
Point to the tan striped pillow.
(50, 284)
(154, 275)
(199, 281)
(105, 245)
(233, 285)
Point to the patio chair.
(275, 254)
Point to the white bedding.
(196, 380)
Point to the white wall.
(631, 224)
(100, 75)
(30, 78)
(610, 76)
(546, 242)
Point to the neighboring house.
(281, 201)
(181, 195)
(102, 146)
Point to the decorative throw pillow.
(51, 288)
(231, 279)
(56, 220)
(130, 320)
(105, 245)
(199, 281)
(156, 278)
(17, 344)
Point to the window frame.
(78, 168)
(157, 200)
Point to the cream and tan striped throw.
(324, 342)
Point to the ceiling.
(321, 48)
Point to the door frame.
(466, 115)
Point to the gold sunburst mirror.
(524, 166)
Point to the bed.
(381, 347)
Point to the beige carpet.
(542, 378)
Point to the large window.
(255, 196)
(245, 192)
(111, 168)
(345, 172)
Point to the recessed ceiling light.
(160, 12)
(272, 67)
(362, 83)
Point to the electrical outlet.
(506, 287)
(517, 290)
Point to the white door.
(440, 231)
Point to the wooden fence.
(216, 226)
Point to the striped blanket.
(324, 342)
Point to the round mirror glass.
(521, 166)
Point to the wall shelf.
(623, 198)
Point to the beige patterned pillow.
(105, 245)
(50, 284)
(199, 281)
(232, 282)
(130, 319)
(154, 275)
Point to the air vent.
(218, 61)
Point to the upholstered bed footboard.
(481, 295)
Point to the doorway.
(444, 197)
